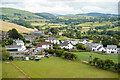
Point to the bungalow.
(73, 41)
(84, 41)
(112, 49)
(53, 40)
(67, 45)
(45, 45)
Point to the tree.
(106, 42)
(58, 52)
(5, 54)
(115, 41)
(11, 58)
(95, 60)
(78, 35)
(80, 46)
(54, 30)
(14, 34)
(108, 63)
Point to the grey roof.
(90, 45)
(69, 40)
(64, 43)
(96, 44)
(81, 40)
(51, 38)
(14, 46)
(111, 46)
(19, 41)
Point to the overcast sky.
(64, 6)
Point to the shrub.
(11, 58)
(108, 63)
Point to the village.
(28, 50)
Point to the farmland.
(55, 67)
(6, 26)
(85, 56)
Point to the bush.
(11, 58)
(108, 63)
(80, 46)
(50, 51)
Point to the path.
(21, 71)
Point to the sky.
(63, 6)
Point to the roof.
(51, 38)
(81, 40)
(96, 44)
(65, 43)
(111, 46)
(19, 41)
(90, 45)
(39, 44)
(14, 46)
(69, 40)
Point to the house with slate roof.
(95, 47)
(84, 41)
(112, 49)
(73, 41)
(53, 40)
(45, 45)
(67, 45)
(17, 49)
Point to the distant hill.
(46, 15)
(6, 26)
(11, 13)
(98, 14)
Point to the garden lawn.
(55, 67)
(85, 56)
(10, 71)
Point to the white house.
(66, 45)
(84, 41)
(18, 42)
(18, 45)
(95, 47)
(45, 45)
(53, 40)
(17, 49)
(98, 47)
(112, 49)
(73, 41)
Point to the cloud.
(63, 6)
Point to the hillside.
(98, 14)
(6, 26)
(11, 14)
(45, 15)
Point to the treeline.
(62, 53)
(106, 64)
(84, 20)
(22, 23)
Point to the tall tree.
(14, 34)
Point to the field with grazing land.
(10, 71)
(85, 56)
(6, 26)
(55, 67)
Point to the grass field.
(6, 26)
(55, 67)
(85, 56)
(10, 71)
